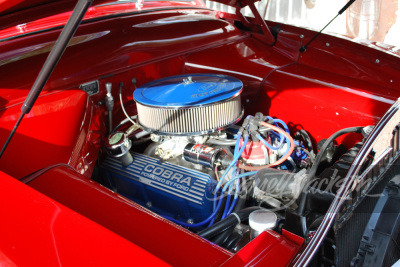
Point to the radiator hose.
(321, 152)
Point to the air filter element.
(189, 104)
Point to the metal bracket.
(268, 38)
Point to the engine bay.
(191, 156)
(200, 133)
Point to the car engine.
(204, 161)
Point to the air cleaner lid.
(188, 90)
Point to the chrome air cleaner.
(189, 104)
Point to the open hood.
(15, 12)
(11, 6)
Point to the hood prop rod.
(69, 30)
(304, 47)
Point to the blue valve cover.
(164, 188)
(188, 90)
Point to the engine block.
(165, 188)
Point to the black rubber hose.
(222, 237)
(226, 223)
(306, 138)
(232, 241)
(317, 161)
(240, 203)
(321, 152)
(314, 225)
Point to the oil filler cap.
(118, 145)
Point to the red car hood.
(11, 6)
(16, 12)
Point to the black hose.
(226, 223)
(240, 203)
(239, 206)
(321, 152)
(317, 161)
(222, 237)
(226, 142)
(314, 225)
(306, 138)
(232, 241)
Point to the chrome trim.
(377, 140)
(118, 147)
